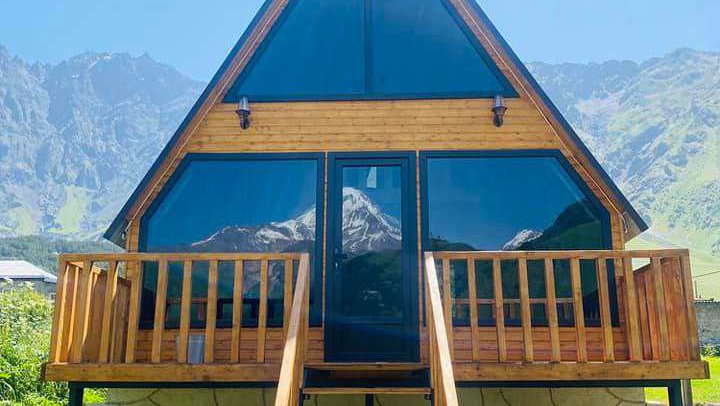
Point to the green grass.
(70, 214)
(704, 391)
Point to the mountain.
(522, 237)
(365, 228)
(655, 126)
(76, 137)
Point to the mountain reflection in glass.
(370, 261)
(224, 206)
(500, 203)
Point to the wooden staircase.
(367, 379)
(299, 379)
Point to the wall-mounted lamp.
(243, 112)
(499, 109)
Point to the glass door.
(372, 312)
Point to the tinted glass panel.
(418, 47)
(517, 203)
(369, 49)
(371, 252)
(233, 206)
(318, 50)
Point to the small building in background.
(22, 271)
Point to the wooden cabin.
(375, 196)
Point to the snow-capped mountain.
(365, 228)
(521, 238)
(272, 237)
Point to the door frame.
(408, 161)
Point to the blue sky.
(195, 36)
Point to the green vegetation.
(25, 323)
(43, 251)
(70, 214)
(704, 391)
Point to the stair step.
(379, 366)
(367, 391)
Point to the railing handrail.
(567, 254)
(177, 257)
(441, 364)
(293, 359)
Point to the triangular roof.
(238, 74)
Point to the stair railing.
(442, 379)
(294, 357)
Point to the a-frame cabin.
(375, 197)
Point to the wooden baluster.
(553, 324)
(108, 311)
(287, 295)
(525, 312)
(305, 263)
(211, 313)
(578, 307)
(631, 307)
(185, 309)
(134, 311)
(83, 312)
(262, 313)
(605, 318)
(690, 307)
(237, 312)
(472, 296)
(160, 303)
(661, 310)
(74, 272)
(447, 303)
(58, 329)
(499, 310)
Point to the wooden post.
(134, 312)
(237, 312)
(693, 341)
(472, 296)
(262, 313)
(631, 305)
(661, 310)
(447, 303)
(553, 324)
(82, 312)
(185, 308)
(59, 316)
(525, 313)
(160, 303)
(605, 319)
(578, 307)
(108, 311)
(499, 310)
(211, 313)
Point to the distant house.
(23, 271)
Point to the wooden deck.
(96, 335)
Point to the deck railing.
(655, 320)
(442, 377)
(98, 308)
(294, 356)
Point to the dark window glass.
(367, 49)
(526, 203)
(418, 47)
(317, 50)
(232, 206)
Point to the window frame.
(316, 277)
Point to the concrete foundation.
(468, 396)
